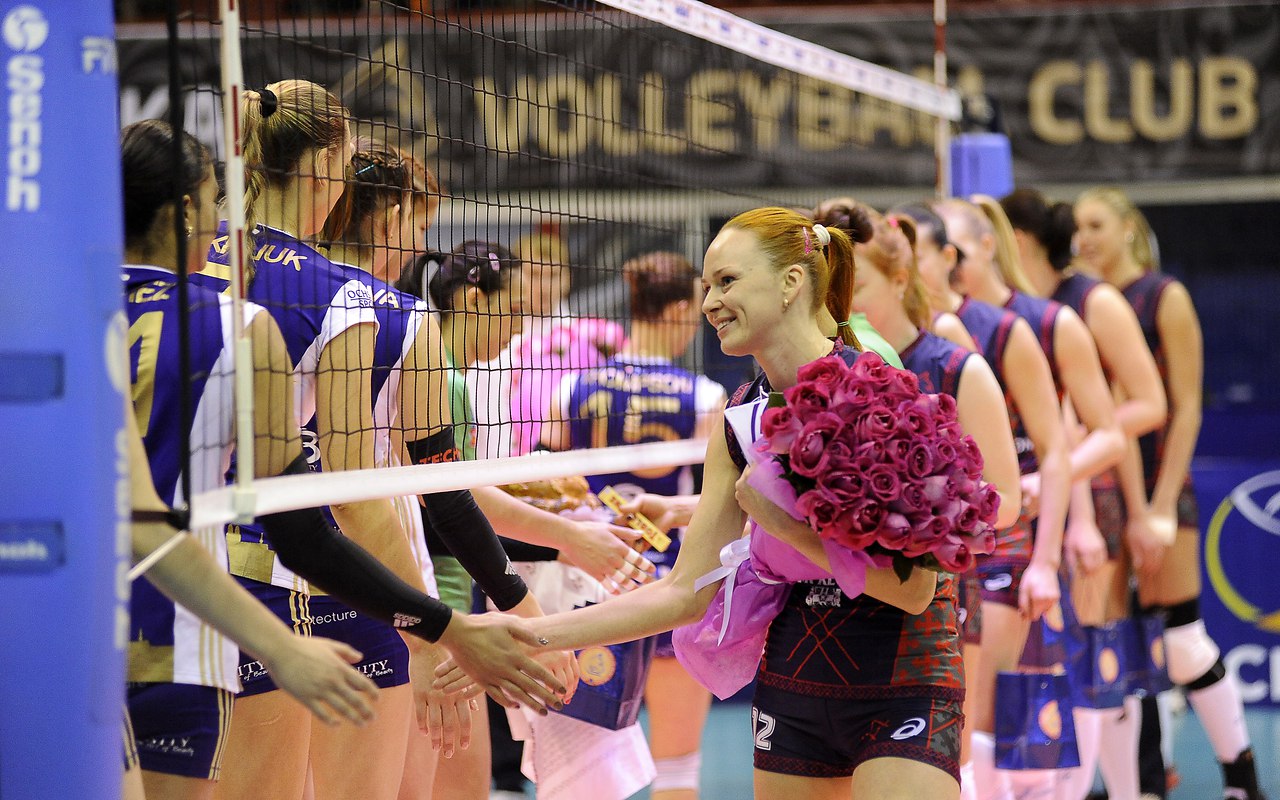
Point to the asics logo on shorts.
(997, 582)
(909, 729)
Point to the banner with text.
(1105, 94)
(1240, 520)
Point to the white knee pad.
(1189, 651)
(680, 772)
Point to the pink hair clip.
(808, 244)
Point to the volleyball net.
(545, 155)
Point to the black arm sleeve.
(307, 544)
(458, 523)
(523, 551)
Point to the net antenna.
(240, 506)
(479, 209)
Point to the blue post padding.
(62, 561)
(981, 163)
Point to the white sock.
(1032, 784)
(1164, 704)
(1118, 755)
(1222, 714)
(989, 783)
(968, 791)
(1074, 783)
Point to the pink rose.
(818, 509)
(917, 418)
(864, 517)
(845, 536)
(969, 519)
(781, 427)
(972, 456)
(947, 406)
(845, 486)
(826, 373)
(989, 504)
(875, 424)
(984, 543)
(935, 489)
(874, 450)
(954, 554)
(885, 483)
(946, 452)
(853, 391)
(807, 400)
(925, 536)
(911, 500)
(895, 532)
(897, 451)
(809, 449)
(920, 461)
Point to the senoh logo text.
(25, 31)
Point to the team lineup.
(346, 651)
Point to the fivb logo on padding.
(25, 31)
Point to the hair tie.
(494, 264)
(269, 102)
(821, 233)
(845, 324)
(808, 244)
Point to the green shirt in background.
(872, 340)
(453, 581)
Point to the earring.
(786, 304)
(190, 230)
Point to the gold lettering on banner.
(563, 115)
(711, 110)
(875, 115)
(1097, 106)
(766, 102)
(821, 110)
(653, 117)
(1228, 97)
(616, 137)
(1041, 92)
(1177, 122)
(506, 117)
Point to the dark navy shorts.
(818, 737)
(999, 579)
(385, 658)
(180, 729)
(290, 607)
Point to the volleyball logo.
(597, 665)
(25, 29)
(1050, 720)
(1108, 665)
(1251, 507)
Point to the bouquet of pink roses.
(879, 467)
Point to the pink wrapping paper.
(722, 650)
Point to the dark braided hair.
(488, 266)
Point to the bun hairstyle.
(377, 178)
(926, 217)
(788, 237)
(1143, 248)
(146, 160)
(656, 280)
(1053, 226)
(484, 265)
(278, 125)
(890, 249)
